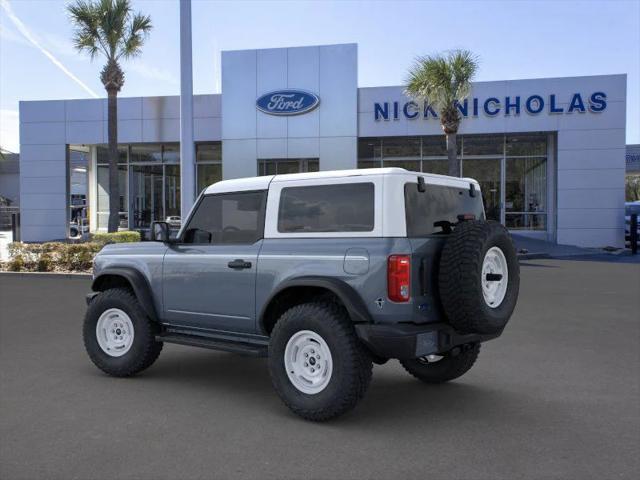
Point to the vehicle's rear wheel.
(118, 335)
(317, 365)
(442, 368)
(479, 277)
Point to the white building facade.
(549, 153)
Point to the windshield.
(430, 212)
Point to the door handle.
(238, 264)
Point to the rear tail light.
(398, 275)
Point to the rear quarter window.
(438, 203)
(347, 207)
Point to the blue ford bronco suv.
(323, 273)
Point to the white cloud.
(26, 33)
(9, 130)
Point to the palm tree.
(112, 29)
(444, 81)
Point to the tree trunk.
(114, 185)
(452, 155)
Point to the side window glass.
(230, 218)
(345, 207)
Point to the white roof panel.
(240, 185)
(262, 183)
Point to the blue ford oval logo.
(287, 102)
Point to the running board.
(251, 349)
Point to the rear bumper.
(405, 341)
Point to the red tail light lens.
(398, 275)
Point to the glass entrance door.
(146, 195)
(487, 171)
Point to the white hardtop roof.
(262, 183)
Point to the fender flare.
(346, 293)
(138, 282)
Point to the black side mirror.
(160, 232)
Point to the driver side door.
(209, 276)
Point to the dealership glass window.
(149, 179)
(102, 183)
(369, 152)
(171, 153)
(208, 152)
(146, 153)
(146, 195)
(208, 174)
(420, 154)
(280, 166)
(511, 169)
(526, 193)
(434, 165)
(411, 165)
(473, 145)
(400, 148)
(435, 146)
(102, 153)
(78, 190)
(401, 152)
(327, 208)
(172, 190)
(102, 190)
(154, 183)
(487, 172)
(526, 145)
(208, 164)
(526, 181)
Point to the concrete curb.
(79, 276)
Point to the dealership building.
(549, 153)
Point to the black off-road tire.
(448, 368)
(144, 348)
(460, 277)
(352, 366)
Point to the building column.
(187, 146)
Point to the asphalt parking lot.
(557, 396)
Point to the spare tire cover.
(479, 277)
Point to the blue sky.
(514, 39)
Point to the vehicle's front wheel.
(317, 365)
(118, 335)
(442, 368)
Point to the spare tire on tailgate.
(479, 277)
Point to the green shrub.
(16, 264)
(16, 248)
(117, 237)
(45, 263)
(78, 256)
(52, 256)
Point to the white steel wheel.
(495, 277)
(308, 362)
(114, 332)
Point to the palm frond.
(139, 29)
(85, 17)
(113, 19)
(442, 80)
(108, 27)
